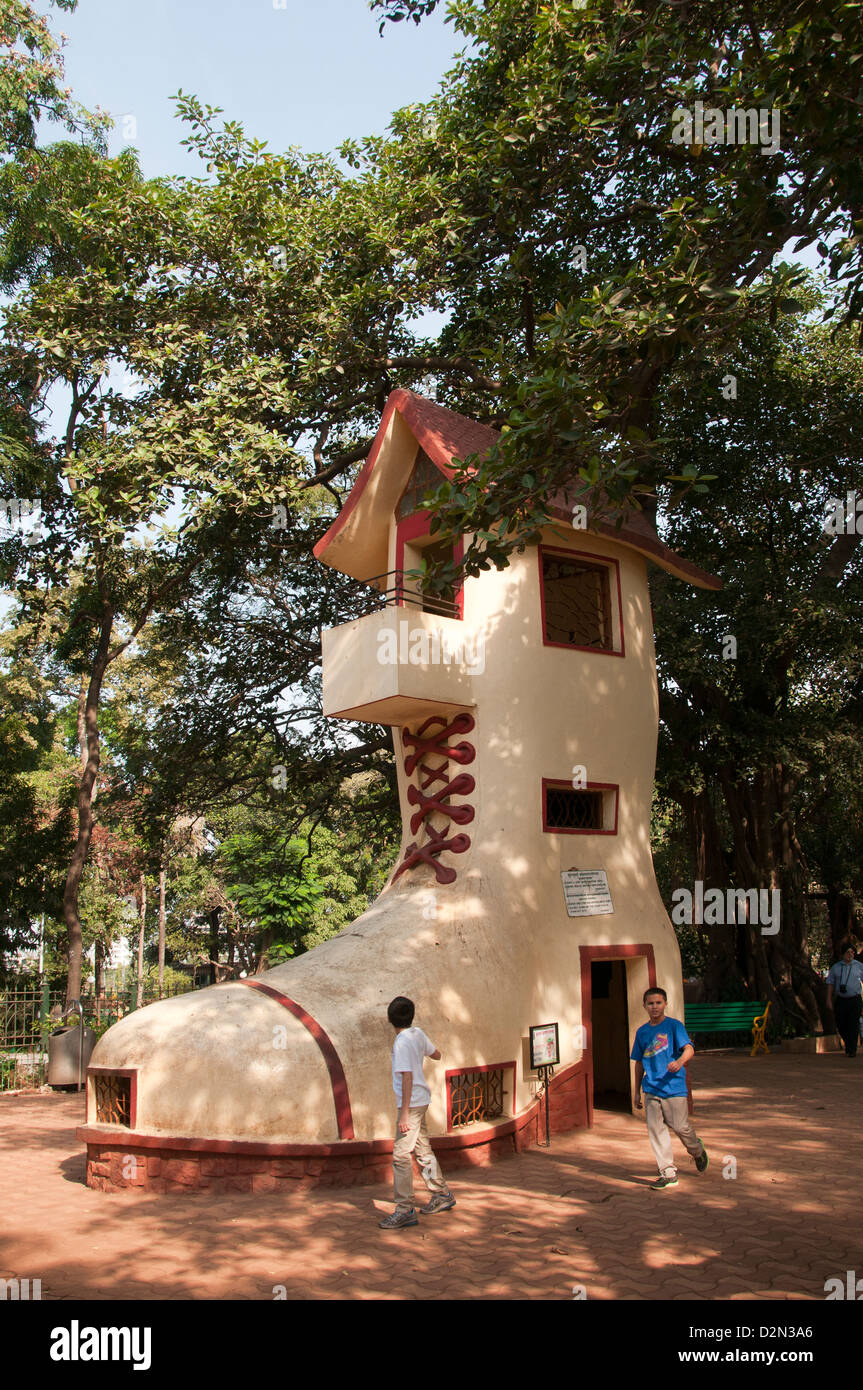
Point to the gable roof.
(357, 541)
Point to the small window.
(425, 478)
(576, 602)
(478, 1094)
(566, 809)
(588, 811)
(113, 1099)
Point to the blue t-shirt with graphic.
(656, 1046)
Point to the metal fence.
(29, 1014)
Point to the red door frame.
(588, 954)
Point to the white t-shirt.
(411, 1046)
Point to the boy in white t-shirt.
(410, 1049)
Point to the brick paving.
(529, 1227)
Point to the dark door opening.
(612, 1089)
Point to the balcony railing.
(394, 588)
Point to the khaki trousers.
(415, 1141)
(664, 1114)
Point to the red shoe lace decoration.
(435, 743)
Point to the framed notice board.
(544, 1046)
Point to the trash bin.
(63, 1050)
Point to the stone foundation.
(159, 1163)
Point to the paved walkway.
(530, 1227)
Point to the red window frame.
(607, 563)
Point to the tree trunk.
(139, 995)
(840, 915)
(98, 955)
(161, 932)
(767, 856)
(86, 791)
(214, 945)
(231, 953)
(722, 976)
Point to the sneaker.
(442, 1201)
(702, 1160)
(662, 1182)
(397, 1219)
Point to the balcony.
(399, 665)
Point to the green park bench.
(730, 1018)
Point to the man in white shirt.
(410, 1049)
(845, 999)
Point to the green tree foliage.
(31, 78)
(760, 683)
(36, 798)
(225, 344)
(584, 255)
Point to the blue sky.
(310, 74)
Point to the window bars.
(577, 603)
(476, 1095)
(113, 1099)
(566, 809)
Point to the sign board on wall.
(544, 1046)
(586, 892)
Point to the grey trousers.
(662, 1115)
(415, 1141)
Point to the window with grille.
(476, 1095)
(588, 811)
(113, 1099)
(566, 809)
(577, 602)
(425, 478)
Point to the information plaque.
(544, 1046)
(586, 892)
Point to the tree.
(760, 683)
(36, 799)
(31, 72)
(261, 314)
(123, 462)
(584, 253)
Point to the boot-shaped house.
(524, 710)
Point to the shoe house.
(524, 713)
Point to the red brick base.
(157, 1163)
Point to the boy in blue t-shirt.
(660, 1051)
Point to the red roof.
(445, 435)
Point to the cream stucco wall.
(484, 957)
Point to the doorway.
(612, 1088)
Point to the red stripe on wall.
(338, 1080)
